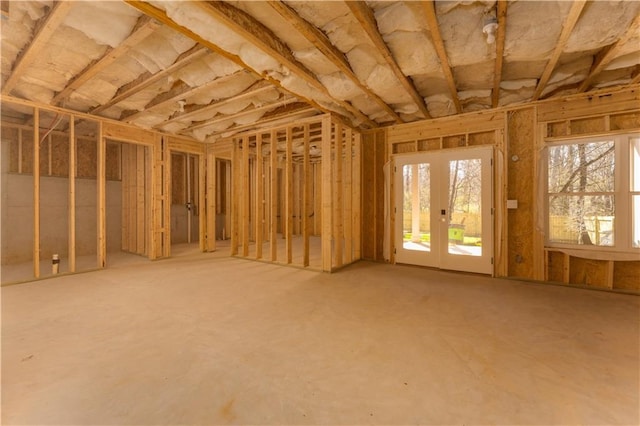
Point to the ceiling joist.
(290, 115)
(260, 36)
(367, 21)
(438, 43)
(179, 92)
(323, 44)
(256, 89)
(143, 29)
(567, 28)
(501, 15)
(146, 80)
(44, 29)
(243, 113)
(608, 54)
(162, 16)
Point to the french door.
(443, 207)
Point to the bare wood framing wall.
(519, 136)
(294, 197)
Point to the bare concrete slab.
(209, 339)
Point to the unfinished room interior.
(320, 212)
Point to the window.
(593, 193)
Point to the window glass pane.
(635, 164)
(416, 209)
(584, 220)
(465, 209)
(583, 167)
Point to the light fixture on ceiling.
(490, 26)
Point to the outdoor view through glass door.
(443, 210)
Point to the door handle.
(443, 212)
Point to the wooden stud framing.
(246, 196)
(500, 36)
(166, 197)
(212, 201)
(338, 228)
(101, 201)
(36, 192)
(306, 197)
(273, 190)
(348, 197)
(259, 203)
(140, 189)
(288, 184)
(235, 194)
(202, 209)
(356, 215)
(72, 195)
(326, 194)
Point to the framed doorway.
(444, 205)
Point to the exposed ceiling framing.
(212, 68)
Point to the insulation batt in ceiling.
(88, 18)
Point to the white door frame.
(436, 253)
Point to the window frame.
(623, 215)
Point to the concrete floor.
(208, 339)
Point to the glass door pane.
(416, 207)
(464, 208)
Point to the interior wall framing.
(518, 135)
(296, 194)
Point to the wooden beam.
(211, 200)
(259, 191)
(357, 202)
(273, 192)
(36, 192)
(143, 29)
(438, 43)
(178, 92)
(367, 20)
(501, 16)
(246, 196)
(306, 197)
(101, 198)
(635, 77)
(260, 36)
(243, 113)
(288, 185)
(236, 169)
(162, 16)
(72, 195)
(338, 228)
(335, 56)
(145, 80)
(608, 54)
(326, 233)
(348, 196)
(43, 31)
(267, 122)
(567, 28)
(256, 89)
(202, 214)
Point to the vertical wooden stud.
(212, 200)
(20, 150)
(337, 207)
(246, 196)
(348, 196)
(124, 159)
(36, 192)
(133, 153)
(235, 197)
(317, 199)
(72, 195)
(101, 201)
(49, 156)
(273, 190)
(166, 197)
(306, 197)
(288, 201)
(357, 198)
(202, 214)
(326, 194)
(140, 205)
(259, 203)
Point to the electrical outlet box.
(512, 204)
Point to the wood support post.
(326, 195)
(202, 208)
(246, 196)
(259, 203)
(273, 189)
(72, 195)
(101, 200)
(36, 192)
(356, 215)
(288, 184)
(211, 201)
(306, 197)
(338, 189)
(235, 197)
(348, 196)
